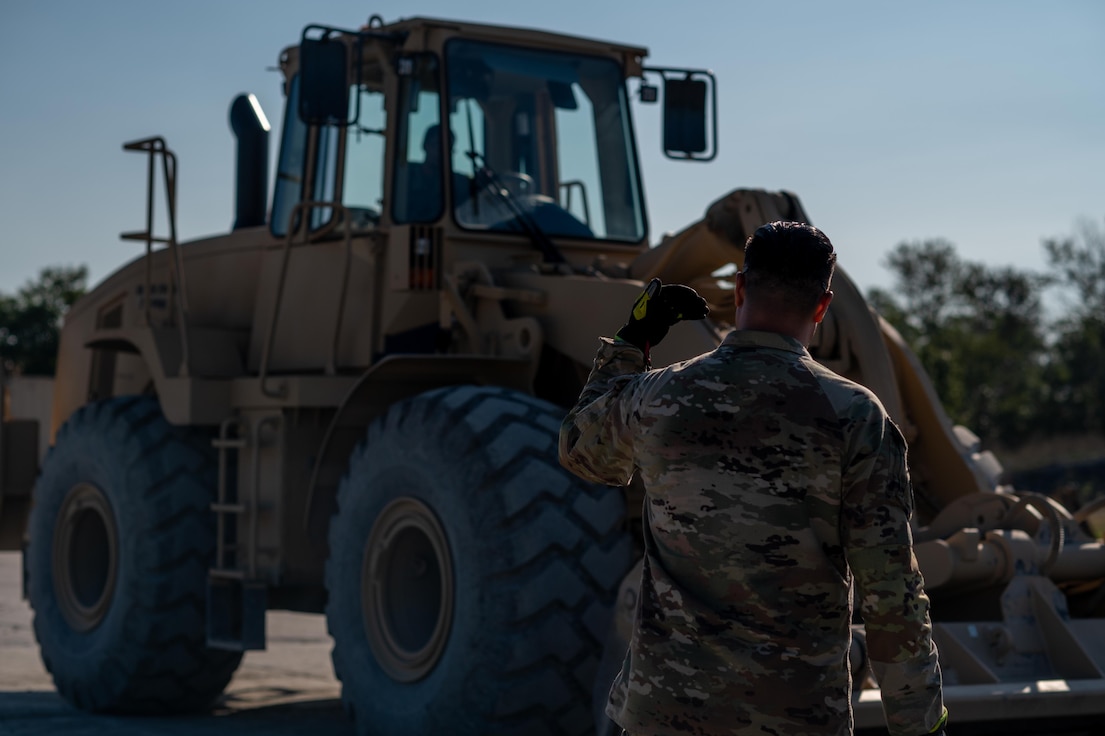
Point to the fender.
(192, 382)
(389, 381)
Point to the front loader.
(349, 405)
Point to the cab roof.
(418, 31)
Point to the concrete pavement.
(287, 689)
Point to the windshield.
(543, 137)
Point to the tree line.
(30, 319)
(1015, 354)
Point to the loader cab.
(473, 133)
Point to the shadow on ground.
(46, 714)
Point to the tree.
(928, 273)
(977, 331)
(30, 321)
(1079, 261)
(1003, 350)
(1076, 373)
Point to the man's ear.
(822, 307)
(738, 289)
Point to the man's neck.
(800, 329)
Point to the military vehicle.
(349, 405)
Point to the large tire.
(471, 579)
(121, 538)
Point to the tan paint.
(282, 340)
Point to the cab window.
(291, 164)
(418, 193)
(354, 153)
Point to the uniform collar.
(759, 339)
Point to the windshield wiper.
(540, 239)
(492, 182)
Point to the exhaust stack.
(249, 124)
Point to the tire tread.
(174, 670)
(561, 601)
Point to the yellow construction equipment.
(349, 404)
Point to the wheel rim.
(407, 589)
(85, 559)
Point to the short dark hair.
(791, 263)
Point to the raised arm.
(596, 438)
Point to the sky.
(979, 122)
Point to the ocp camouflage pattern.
(772, 486)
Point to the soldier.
(772, 486)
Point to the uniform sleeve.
(877, 505)
(596, 438)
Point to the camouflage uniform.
(772, 485)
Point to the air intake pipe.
(249, 124)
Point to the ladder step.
(227, 645)
(263, 507)
(236, 614)
(144, 236)
(230, 444)
(223, 574)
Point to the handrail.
(567, 187)
(156, 147)
(342, 212)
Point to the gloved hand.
(656, 310)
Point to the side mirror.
(690, 114)
(684, 116)
(323, 79)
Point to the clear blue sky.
(981, 122)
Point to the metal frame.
(689, 74)
(157, 148)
